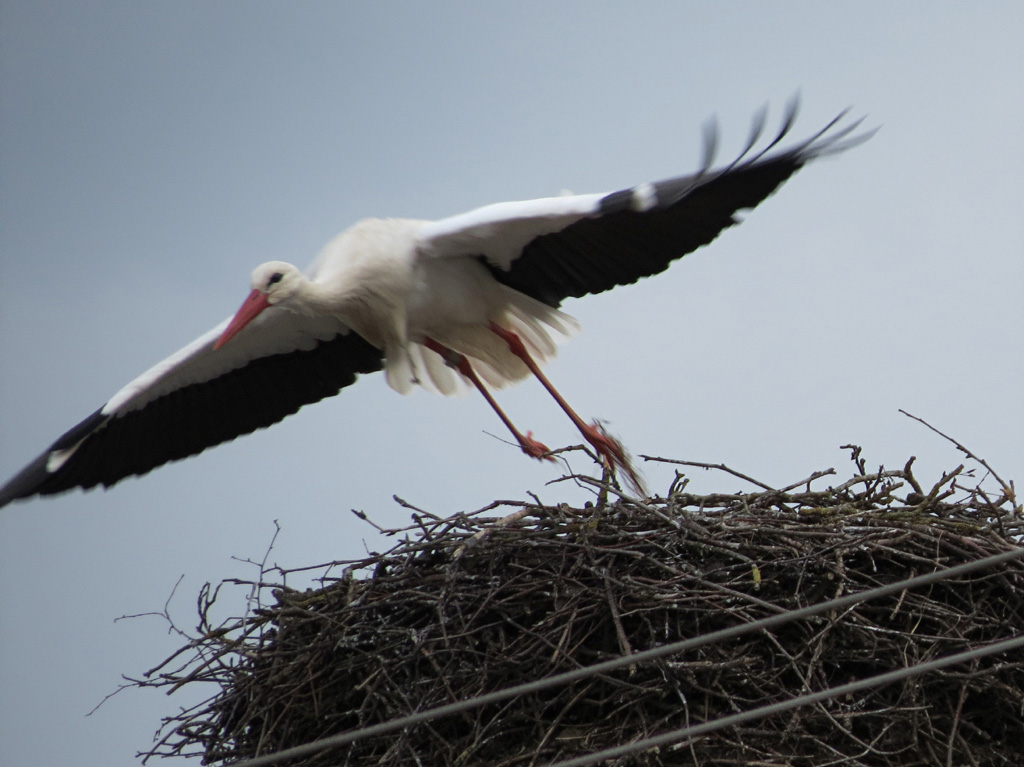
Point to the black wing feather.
(195, 417)
(639, 232)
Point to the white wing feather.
(499, 232)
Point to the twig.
(1008, 488)
(718, 466)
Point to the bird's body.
(401, 290)
(433, 303)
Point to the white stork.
(469, 299)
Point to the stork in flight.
(472, 299)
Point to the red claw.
(534, 448)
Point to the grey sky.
(152, 153)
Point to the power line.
(653, 653)
(693, 731)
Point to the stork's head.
(277, 280)
(273, 283)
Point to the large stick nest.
(474, 603)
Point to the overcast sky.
(152, 153)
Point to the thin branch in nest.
(1008, 488)
(709, 466)
(365, 518)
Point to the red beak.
(247, 312)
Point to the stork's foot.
(534, 448)
(613, 455)
(609, 448)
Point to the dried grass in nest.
(471, 604)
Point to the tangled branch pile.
(471, 604)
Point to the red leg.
(530, 446)
(609, 448)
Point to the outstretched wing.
(198, 398)
(554, 248)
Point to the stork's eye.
(275, 278)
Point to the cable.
(657, 652)
(693, 731)
(687, 733)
